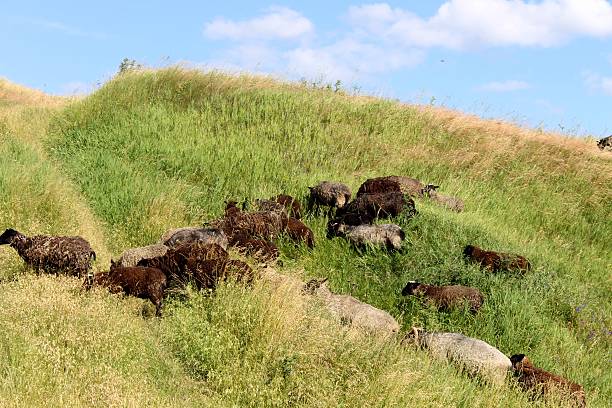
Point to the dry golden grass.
(21, 95)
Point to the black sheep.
(142, 282)
(51, 254)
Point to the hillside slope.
(154, 150)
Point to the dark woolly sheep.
(269, 205)
(446, 297)
(191, 234)
(142, 282)
(537, 380)
(383, 205)
(293, 207)
(299, 232)
(496, 261)
(329, 194)
(51, 254)
(387, 235)
(259, 249)
(605, 143)
(388, 184)
(206, 274)
(231, 208)
(174, 262)
(261, 224)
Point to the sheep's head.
(89, 280)
(341, 200)
(468, 250)
(8, 236)
(520, 361)
(412, 336)
(428, 189)
(410, 288)
(313, 285)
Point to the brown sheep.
(51, 254)
(381, 205)
(207, 273)
(496, 261)
(299, 232)
(260, 224)
(538, 380)
(446, 297)
(329, 194)
(174, 262)
(260, 249)
(269, 205)
(380, 185)
(294, 209)
(142, 282)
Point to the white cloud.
(349, 60)
(504, 86)
(461, 24)
(598, 82)
(63, 28)
(278, 23)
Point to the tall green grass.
(160, 149)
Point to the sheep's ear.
(516, 359)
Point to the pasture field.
(156, 149)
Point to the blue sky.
(542, 63)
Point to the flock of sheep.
(200, 256)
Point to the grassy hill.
(152, 150)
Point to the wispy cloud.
(61, 28)
(373, 39)
(504, 86)
(598, 82)
(277, 23)
(461, 24)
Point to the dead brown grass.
(22, 95)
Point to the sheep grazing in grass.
(293, 207)
(259, 249)
(174, 262)
(203, 264)
(474, 356)
(299, 232)
(142, 282)
(207, 273)
(451, 203)
(388, 184)
(605, 143)
(496, 261)
(231, 208)
(353, 312)
(131, 257)
(261, 224)
(177, 236)
(536, 380)
(329, 194)
(72, 255)
(383, 205)
(269, 205)
(388, 235)
(446, 297)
